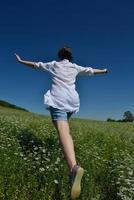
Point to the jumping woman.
(63, 101)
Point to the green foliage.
(33, 166)
(128, 117)
(110, 120)
(9, 105)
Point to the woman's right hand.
(18, 57)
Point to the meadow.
(32, 166)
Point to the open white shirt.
(63, 94)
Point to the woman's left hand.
(105, 71)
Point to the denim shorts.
(57, 114)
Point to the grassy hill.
(32, 166)
(9, 105)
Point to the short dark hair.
(65, 53)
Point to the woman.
(62, 101)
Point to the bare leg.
(66, 142)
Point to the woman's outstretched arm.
(90, 70)
(28, 63)
(100, 71)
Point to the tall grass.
(32, 166)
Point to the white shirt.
(62, 94)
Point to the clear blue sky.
(101, 35)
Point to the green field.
(32, 166)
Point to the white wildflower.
(56, 182)
(42, 169)
(36, 158)
(44, 151)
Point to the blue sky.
(100, 34)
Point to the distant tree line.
(9, 105)
(127, 117)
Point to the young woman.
(62, 101)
